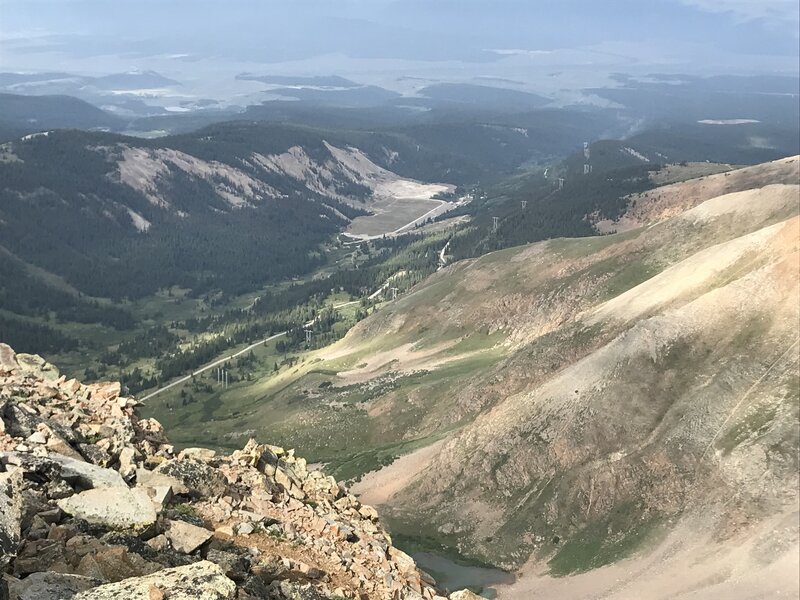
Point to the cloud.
(776, 11)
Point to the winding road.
(221, 361)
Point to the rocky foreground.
(96, 504)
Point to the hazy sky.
(368, 38)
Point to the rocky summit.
(95, 503)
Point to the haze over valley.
(399, 300)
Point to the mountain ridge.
(95, 502)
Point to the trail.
(232, 356)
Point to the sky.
(381, 40)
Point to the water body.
(454, 575)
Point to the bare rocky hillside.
(596, 396)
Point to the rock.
(201, 480)
(38, 555)
(296, 591)
(199, 581)
(52, 586)
(84, 446)
(368, 512)
(94, 454)
(86, 474)
(10, 513)
(37, 437)
(224, 530)
(160, 495)
(127, 466)
(234, 565)
(33, 364)
(465, 595)
(155, 593)
(21, 420)
(158, 543)
(154, 479)
(114, 563)
(116, 508)
(405, 564)
(185, 537)
(8, 359)
(202, 454)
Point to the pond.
(455, 575)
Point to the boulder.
(86, 474)
(8, 359)
(52, 586)
(10, 513)
(186, 537)
(202, 454)
(33, 364)
(154, 480)
(235, 565)
(199, 581)
(465, 595)
(160, 495)
(199, 478)
(114, 563)
(116, 507)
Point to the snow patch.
(728, 121)
(139, 221)
(634, 154)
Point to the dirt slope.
(670, 200)
(642, 386)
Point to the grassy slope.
(536, 300)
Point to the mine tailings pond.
(454, 574)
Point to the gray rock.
(296, 591)
(114, 563)
(235, 565)
(186, 537)
(10, 513)
(154, 480)
(202, 454)
(86, 474)
(201, 479)
(20, 421)
(199, 581)
(116, 508)
(245, 528)
(35, 365)
(8, 359)
(53, 586)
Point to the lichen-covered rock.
(200, 479)
(10, 513)
(51, 586)
(199, 581)
(116, 508)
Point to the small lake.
(455, 575)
